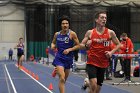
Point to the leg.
(9, 57)
(122, 64)
(61, 74)
(92, 74)
(128, 67)
(18, 57)
(93, 85)
(67, 71)
(115, 64)
(21, 60)
(100, 78)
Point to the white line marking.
(37, 81)
(73, 84)
(13, 86)
(6, 79)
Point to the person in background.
(10, 54)
(126, 48)
(116, 59)
(20, 52)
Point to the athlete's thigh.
(91, 71)
(100, 76)
(60, 70)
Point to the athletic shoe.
(19, 68)
(84, 87)
(54, 73)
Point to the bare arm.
(115, 41)
(15, 47)
(53, 44)
(86, 40)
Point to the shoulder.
(56, 33)
(18, 44)
(73, 33)
(111, 32)
(89, 32)
(129, 40)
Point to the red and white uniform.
(127, 47)
(100, 44)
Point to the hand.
(108, 54)
(55, 50)
(66, 51)
(89, 43)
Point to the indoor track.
(35, 77)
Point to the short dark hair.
(98, 13)
(124, 34)
(20, 38)
(64, 17)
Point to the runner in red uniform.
(97, 41)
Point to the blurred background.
(37, 21)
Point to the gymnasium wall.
(11, 27)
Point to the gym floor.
(13, 80)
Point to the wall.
(11, 27)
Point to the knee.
(62, 79)
(94, 85)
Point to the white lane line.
(6, 79)
(37, 81)
(73, 84)
(13, 86)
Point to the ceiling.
(75, 2)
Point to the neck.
(64, 31)
(100, 28)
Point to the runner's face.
(65, 25)
(124, 38)
(21, 40)
(102, 19)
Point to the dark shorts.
(95, 72)
(67, 64)
(20, 54)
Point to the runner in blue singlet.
(64, 41)
(20, 52)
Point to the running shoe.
(54, 73)
(84, 87)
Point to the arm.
(86, 42)
(53, 44)
(82, 45)
(76, 40)
(131, 46)
(16, 47)
(115, 41)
